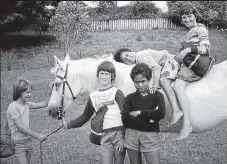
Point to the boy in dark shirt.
(141, 115)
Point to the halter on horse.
(60, 111)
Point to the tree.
(70, 23)
(213, 12)
(103, 6)
(145, 9)
(16, 15)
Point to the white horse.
(208, 97)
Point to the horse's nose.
(52, 111)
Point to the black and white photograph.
(113, 82)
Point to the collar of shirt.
(143, 94)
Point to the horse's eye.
(57, 84)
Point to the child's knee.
(164, 83)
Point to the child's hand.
(120, 147)
(182, 54)
(153, 89)
(135, 113)
(64, 124)
(42, 137)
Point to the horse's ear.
(58, 62)
(53, 70)
(67, 58)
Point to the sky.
(160, 4)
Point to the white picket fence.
(133, 24)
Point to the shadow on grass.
(25, 39)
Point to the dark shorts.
(186, 74)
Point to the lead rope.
(40, 144)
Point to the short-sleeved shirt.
(155, 60)
(15, 111)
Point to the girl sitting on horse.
(198, 37)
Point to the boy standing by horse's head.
(112, 129)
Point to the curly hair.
(142, 69)
(117, 55)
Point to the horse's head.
(64, 88)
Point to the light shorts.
(170, 70)
(141, 141)
(23, 146)
(109, 140)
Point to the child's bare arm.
(155, 70)
(25, 130)
(33, 105)
(41, 104)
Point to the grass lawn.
(73, 146)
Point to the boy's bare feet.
(175, 117)
(185, 131)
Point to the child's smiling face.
(128, 58)
(104, 78)
(26, 95)
(188, 20)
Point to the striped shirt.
(198, 36)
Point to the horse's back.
(208, 101)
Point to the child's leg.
(3, 161)
(107, 149)
(152, 157)
(119, 157)
(107, 157)
(21, 158)
(134, 156)
(177, 114)
(29, 155)
(119, 150)
(185, 106)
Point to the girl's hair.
(190, 8)
(19, 87)
(117, 55)
(142, 69)
(107, 66)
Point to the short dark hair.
(107, 66)
(189, 8)
(117, 55)
(141, 68)
(19, 87)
